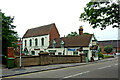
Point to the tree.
(108, 49)
(72, 34)
(9, 36)
(102, 14)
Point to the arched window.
(36, 42)
(30, 42)
(42, 41)
(25, 43)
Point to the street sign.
(20, 42)
(37, 49)
(71, 49)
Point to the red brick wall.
(49, 59)
(10, 52)
(54, 34)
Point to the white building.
(76, 45)
(37, 40)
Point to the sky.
(64, 13)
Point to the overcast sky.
(64, 13)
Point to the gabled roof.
(42, 30)
(75, 41)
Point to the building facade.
(47, 39)
(114, 43)
(37, 40)
(76, 45)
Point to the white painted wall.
(31, 48)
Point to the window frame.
(25, 43)
(36, 42)
(42, 42)
(30, 42)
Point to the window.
(75, 53)
(42, 41)
(33, 52)
(36, 42)
(30, 42)
(25, 43)
(59, 53)
(52, 52)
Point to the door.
(86, 55)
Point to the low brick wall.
(49, 59)
(28, 60)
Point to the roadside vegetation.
(100, 55)
(108, 56)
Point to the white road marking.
(104, 67)
(76, 74)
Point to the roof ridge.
(42, 26)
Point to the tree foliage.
(72, 34)
(108, 49)
(101, 14)
(9, 36)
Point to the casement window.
(30, 42)
(42, 41)
(25, 43)
(36, 42)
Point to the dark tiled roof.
(75, 41)
(109, 42)
(42, 30)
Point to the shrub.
(108, 49)
(100, 55)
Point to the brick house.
(114, 43)
(37, 39)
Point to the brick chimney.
(81, 30)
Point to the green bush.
(100, 55)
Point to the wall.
(31, 48)
(54, 33)
(28, 60)
(49, 59)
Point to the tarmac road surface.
(107, 69)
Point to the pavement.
(32, 69)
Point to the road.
(107, 69)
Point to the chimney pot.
(81, 30)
